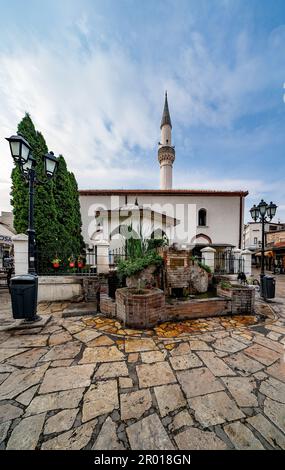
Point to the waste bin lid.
(26, 278)
(269, 277)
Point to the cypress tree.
(77, 221)
(68, 210)
(57, 211)
(45, 208)
(19, 192)
(62, 196)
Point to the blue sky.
(93, 73)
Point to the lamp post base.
(34, 319)
(262, 291)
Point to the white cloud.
(100, 106)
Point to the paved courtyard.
(87, 383)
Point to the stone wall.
(177, 269)
(183, 273)
(242, 298)
(93, 285)
(183, 310)
(108, 306)
(140, 310)
(57, 288)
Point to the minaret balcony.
(166, 153)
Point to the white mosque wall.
(222, 224)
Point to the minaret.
(166, 153)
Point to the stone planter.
(242, 298)
(140, 310)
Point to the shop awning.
(269, 254)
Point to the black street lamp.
(22, 155)
(263, 213)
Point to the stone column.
(246, 255)
(102, 256)
(237, 256)
(20, 243)
(208, 257)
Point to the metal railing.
(116, 255)
(65, 264)
(227, 263)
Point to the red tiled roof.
(162, 192)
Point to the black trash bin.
(24, 296)
(268, 287)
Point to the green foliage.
(135, 265)
(135, 248)
(68, 210)
(19, 190)
(154, 243)
(19, 201)
(225, 285)
(57, 215)
(205, 267)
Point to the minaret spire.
(165, 115)
(166, 152)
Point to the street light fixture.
(50, 164)
(271, 210)
(264, 213)
(24, 300)
(20, 148)
(254, 211)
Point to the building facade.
(275, 249)
(252, 233)
(6, 233)
(188, 218)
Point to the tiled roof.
(162, 192)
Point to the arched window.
(202, 218)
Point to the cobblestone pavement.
(85, 383)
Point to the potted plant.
(80, 262)
(56, 262)
(71, 261)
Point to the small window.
(255, 240)
(202, 217)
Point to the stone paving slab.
(195, 439)
(107, 438)
(242, 438)
(215, 408)
(264, 355)
(88, 383)
(198, 382)
(267, 430)
(216, 365)
(242, 389)
(57, 379)
(75, 439)
(149, 434)
(169, 398)
(100, 398)
(150, 375)
(26, 434)
(135, 404)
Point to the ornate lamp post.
(263, 213)
(23, 158)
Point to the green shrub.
(205, 267)
(225, 285)
(133, 266)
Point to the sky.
(92, 74)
